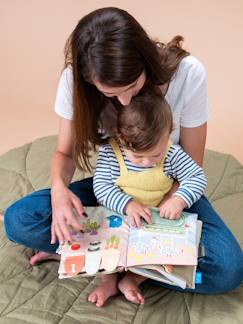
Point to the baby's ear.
(123, 141)
(118, 138)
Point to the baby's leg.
(129, 287)
(105, 290)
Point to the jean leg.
(222, 265)
(28, 220)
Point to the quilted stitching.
(35, 295)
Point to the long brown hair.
(109, 45)
(144, 121)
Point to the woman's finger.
(53, 234)
(78, 207)
(74, 223)
(59, 234)
(72, 217)
(63, 230)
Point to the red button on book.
(75, 246)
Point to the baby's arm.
(110, 195)
(106, 191)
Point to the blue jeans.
(28, 222)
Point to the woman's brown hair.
(144, 121)
(109, 45)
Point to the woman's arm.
(63, 200)
(195, 110)
(193, 141)
(63, 166)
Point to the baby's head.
(144, 127)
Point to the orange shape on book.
(74, 264)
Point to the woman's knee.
(12, 221)
(230, 271)
(234, 270)
(22, 216)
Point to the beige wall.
(33, 33)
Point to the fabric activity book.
(166, 250)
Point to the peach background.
(33, 34)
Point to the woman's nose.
(125, 98)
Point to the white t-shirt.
(187, 96)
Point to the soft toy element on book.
(93, 258)
(165, 225)
(111, 254)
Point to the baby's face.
(151, 157)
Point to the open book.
(166, 251)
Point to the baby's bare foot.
(129, 287)
(105, 290)
(43, 256)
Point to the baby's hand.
(172, 208)
(135, 211)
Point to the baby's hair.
(144, 121)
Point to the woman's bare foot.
(43, 256)
(129, 287)
(1, 217)
(105, 290)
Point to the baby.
(136, 170)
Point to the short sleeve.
(64, 97)
(195, 110)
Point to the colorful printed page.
(101, 244)
(164, 242)
(179, 275)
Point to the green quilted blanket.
(35, 294)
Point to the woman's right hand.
(64, 201)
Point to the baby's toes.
(140, 298)
(133, 296)
(93, 297)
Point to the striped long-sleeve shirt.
(177, 165)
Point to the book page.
(101, 244)
(159, 274)
(164, 242)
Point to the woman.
(109, 59)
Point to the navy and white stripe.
(177, 165)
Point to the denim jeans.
(28, 222)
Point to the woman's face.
(123, 94)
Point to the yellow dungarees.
(147, 187)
